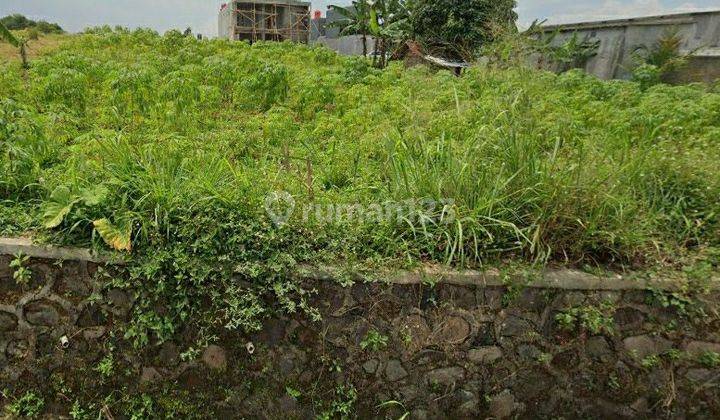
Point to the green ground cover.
(167, 147)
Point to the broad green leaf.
(118, 238)
(60, 204)
(374, 24)
(94, 196)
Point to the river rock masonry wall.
(383, 349)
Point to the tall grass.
(538, 166)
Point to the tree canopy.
(18, 22)
(460, 26)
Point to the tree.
(384, 20)
(389, 25)
(355, 21)
(17, 42)
(19, 22)
(459, 27)
(16, 22)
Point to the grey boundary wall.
(620, 38)
(439, 344)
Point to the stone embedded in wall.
(459, 297)
(169, 355)
(503, 405)
(5, 271)
(445, 376)
(532, 383)
(485, 355)
(468, 404)
(700, 348)
(413, 331)
(17, 348)
(534, 300)
(574, 299)
(150, 375)
(91, 316)
(565, 360)
(94, 333)
(628, 318)
(394, 371)
(528, 352)
(643, 346)
(74, 281)
(703, 376)
(8, 321)
(493, 298)
(215, 357)
(516, 327)
(290, 361)
(452, 330)
(599, 349)
(371, 366)
(120, 302)
(42, 313)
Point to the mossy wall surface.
(380, 350)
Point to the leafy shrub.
(646, 75)
(266, 87)
(30, 405)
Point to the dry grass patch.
(43, 45)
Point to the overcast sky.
(201, 15)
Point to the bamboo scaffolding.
(255, 21)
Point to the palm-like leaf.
(7, 36)
(355, 19)
(347, 13)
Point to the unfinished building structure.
(265, 20)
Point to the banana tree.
(355, 21)
(17, 42)
(388, 24)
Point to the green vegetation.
(595, 319)
(460, 28)
(166, 147)
(21, 274)
(355, 21)
(374, 341)
(659, 60)
(710, 359)
(18, 42)
(18, 22)
(385, 20)
(448, 27)
(342, 406)
(30, 405)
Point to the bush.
(459, 27)
(646, 75)
(19, 22)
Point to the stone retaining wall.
(464, 350)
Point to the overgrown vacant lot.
(168, 146)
